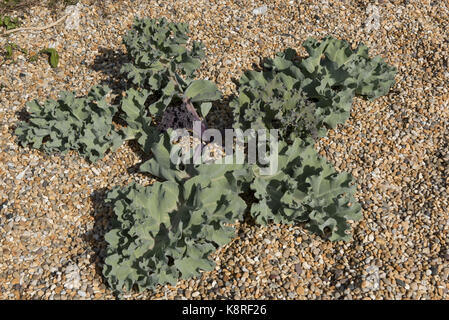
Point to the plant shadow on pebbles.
(102, 213)
(220, 116)
(22, 115)
(109, 63)
(137, 149)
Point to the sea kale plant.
(167, 230)
(163, 65)
(305, 97)
(307, 189)
(72, 123)
(158, 53)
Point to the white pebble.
(260, 10)
(22, 174)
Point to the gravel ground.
(52, 219)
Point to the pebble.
(260, 10)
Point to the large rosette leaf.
(71, 123)
(307, 189)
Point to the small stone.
(373, 20)
(434, 270)
(298, 269)
(260, 10)
(400, 282)
(22, 174)
(274, 275)
(365, 284)
(72, 21)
